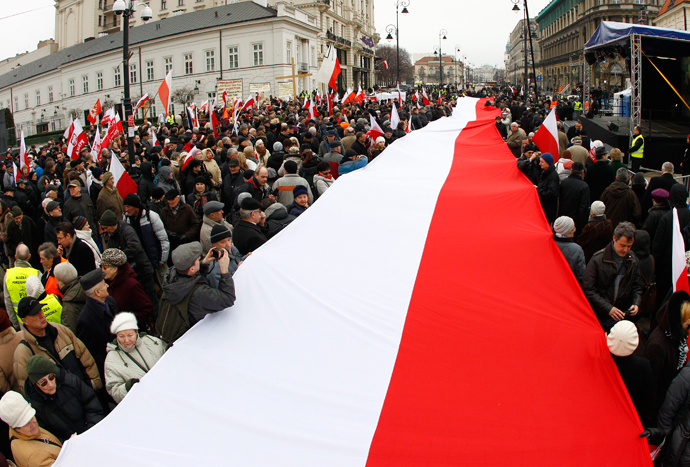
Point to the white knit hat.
(124, 321)
(34, 287)
(622, 339)
(15, 411)
(563, 225)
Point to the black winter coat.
(126, 239)
(654, 217)
(146, 184)
(81, 257)
(665, 181)
(81, 206)
(247, 236)
(663, 237)
(574, 200)
(598, 284)
(636, 373)
(74, 408)
(549, 189)
(599, 176)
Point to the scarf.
(682, 350)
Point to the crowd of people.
(98, 285)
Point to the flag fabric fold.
(330, 68)
(679, 265)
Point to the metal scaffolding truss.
(636, 81)
(585, 82)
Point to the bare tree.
(180, 96)
(388, 76)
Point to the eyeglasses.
(44, 382)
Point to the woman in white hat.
(130, 356)
(25, 432)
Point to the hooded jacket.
(621, 203)
(165, 179)
(549, 191)
(277, 218)
(126, 239)
(146, 184)
(120, 365)
(73, 300)
(204, 299)
(74, 408)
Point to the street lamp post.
(527, 33)
(390, 29)
(126, 9)
(441, 36)
(457, 74)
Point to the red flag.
(123, 182)
(349, 96)
(215, 123)
(679, 265)
(425, 98)
(546, 137)
(77, 141)
(164, 91)
(360, 96)
(330, 103)
(225, 100)
(94, 112)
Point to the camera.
(217, 253)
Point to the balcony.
(338, 39)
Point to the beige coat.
(514, 141)
(9, 340)
(214, 170)
(119, 368)
(65, 343)
(109, 199)
(34, 452)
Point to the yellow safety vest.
(640, 152)
(52, 309)
(15, 282)
(578, 106)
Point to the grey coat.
(204, 299)
(573, 255)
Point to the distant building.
(242, 43)
(515, 68)
(428, 70)
(674, 14)
(43, 49)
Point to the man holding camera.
(221, 238)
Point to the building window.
(99, 81)
(133, 73)
(164, 4)
(233, 57)
(100, 20)
(85, 83)
(114, 20)
(288, 54)
(50, 94)
(16, 103)
(117, 76)
(188, 65)
(210, 60)
(38, 97)
(168, 65)
(313, 56)
(71, 87)
(149, 70)
(298, 55)
(105, 5)
(100, 4)
(211, 95)
(259, 54)
(180, 2)
(26, 101)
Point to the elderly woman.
(32, 446)
(130, 357)
(64, 404)
(261, 151)
(124, 287)
(211, 166)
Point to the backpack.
(173, 320)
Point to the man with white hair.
(665, 181)
(515, 138)
(14, 285)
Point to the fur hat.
(622, 339)
(113, 257)
(124, 321)
(65, 272)
(14, 410)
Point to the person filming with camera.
(221, 241)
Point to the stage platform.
(664, 140)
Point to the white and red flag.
(249, 102)
(330, 68)
(123, 182)
(190, 155)
(425, 98)
(399, 97)
(360, 95)
(108, 116)
(679, 265)
(70, 128)
(417, 366)
(94, 112)
(164, 91)
(77, 141)
(23, 155)
(204, 106)
(96, 147)
(384, 64)
(395, 118)
(349, 96)
(546, 137)
(374, 129)
(312, 109)
(141, 102)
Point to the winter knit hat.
(563, 226)
(219, 232)
(16, 211)
(65, 272)
(39, 366)
(14, 410)
(548, 158)
(299, 190)
(277, 146)
(106, 176)
(79, 223)
(34, 288)
(622, 339)
(108, 219)
(598, 208)
(113, 257)
(124, 321)
(132, 200)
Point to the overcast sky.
(480, 28)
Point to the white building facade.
(243, 43)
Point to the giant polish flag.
(546, 137)
(123, 182)
(432, 345)
(679, 265)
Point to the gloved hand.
(654, 435)
(130, 383)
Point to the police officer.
(636, 151)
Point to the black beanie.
(133, 200)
